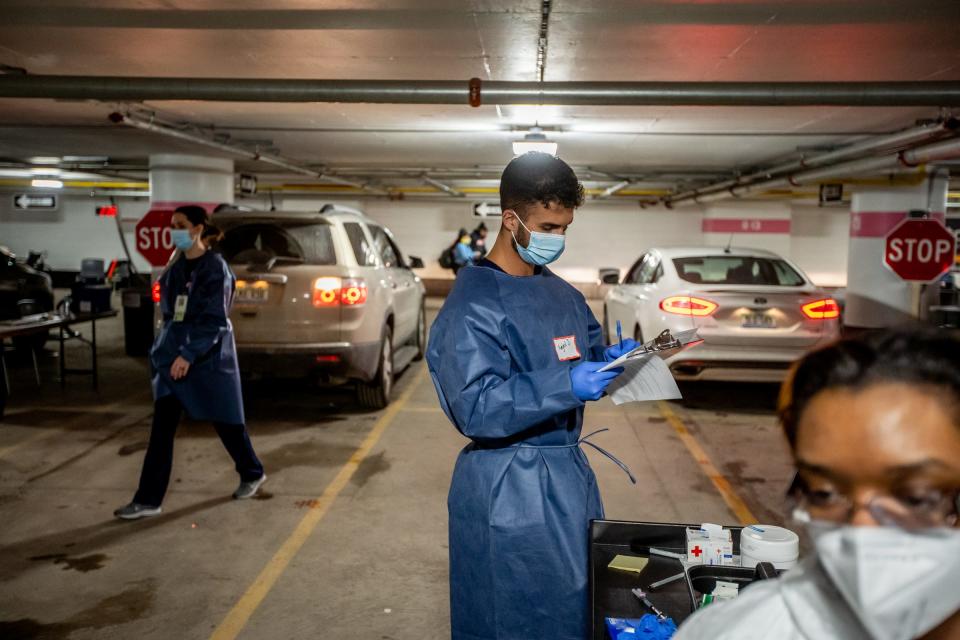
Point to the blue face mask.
(181, 239)
(542, 249)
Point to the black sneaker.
(249, 489)
(135, 511)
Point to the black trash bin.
(137, 321)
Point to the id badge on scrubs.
(566, 347)
(180, 308)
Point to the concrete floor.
(338, 545)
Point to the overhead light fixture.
(40, 183)
(44, 160)
(45, 172)
(534, 140)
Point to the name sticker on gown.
(180, 308)
(566, 347)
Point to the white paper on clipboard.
(645, 375)
(643, 379)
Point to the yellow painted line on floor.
(734, 501)
(434, 409)
(238, 617)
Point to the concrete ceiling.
(626, 40)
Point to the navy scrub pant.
(158, 462)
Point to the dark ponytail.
(197, 215)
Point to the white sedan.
(756, 312)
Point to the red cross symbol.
(696, 551)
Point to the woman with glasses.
(874, 428)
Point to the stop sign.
(920, 250)
(153, 236)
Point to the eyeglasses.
(918, 510)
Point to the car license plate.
(253, 293)
(758, 321)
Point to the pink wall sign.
(746, 225)
(877, 224)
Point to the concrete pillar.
(754, 225)
(177, 179)
(877, 297)
(180, 179)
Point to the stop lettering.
(920, 250)
(153, 236)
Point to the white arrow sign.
(26, 201)
(487, 210)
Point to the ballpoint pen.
(620, 336)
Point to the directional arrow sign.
(26, 201)
(487, 210)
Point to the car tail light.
(353, 292)
(331, 292)
(155, 292)
(825, 309)
(688, 306)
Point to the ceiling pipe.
(908, 159)
(609, 191)
(897, 140)
(277, 161)
(476, 92)
(443, 187)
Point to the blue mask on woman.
(542, 249)
(181, 239)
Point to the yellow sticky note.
(628, 563)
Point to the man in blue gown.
(514, 355)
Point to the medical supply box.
(711, 544)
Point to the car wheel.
(638, 334)
(421, 338)
(376, 393)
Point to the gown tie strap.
(586, 440)
(582, 441)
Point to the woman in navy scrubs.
(194, 361)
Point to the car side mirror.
(610, 276)
(415, 262)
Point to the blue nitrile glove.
(646, 628)
(588, 383)
(614, 351)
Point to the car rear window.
(258, 242)
(366, 257)
(748, 270)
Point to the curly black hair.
(539, 177)
(928, 358)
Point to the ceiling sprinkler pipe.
(138, 89)
(121, 118)
(443, 187)
(931, 153)
(893, 141)
(609, 191)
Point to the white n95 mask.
(900, 584)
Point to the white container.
(767, 543)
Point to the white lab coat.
(801, 605)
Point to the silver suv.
(326, 294)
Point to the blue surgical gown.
(523, 493)
(211, 388)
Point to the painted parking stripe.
(238, 617)
(734, 502)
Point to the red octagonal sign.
(153, 236)
(920, 250)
